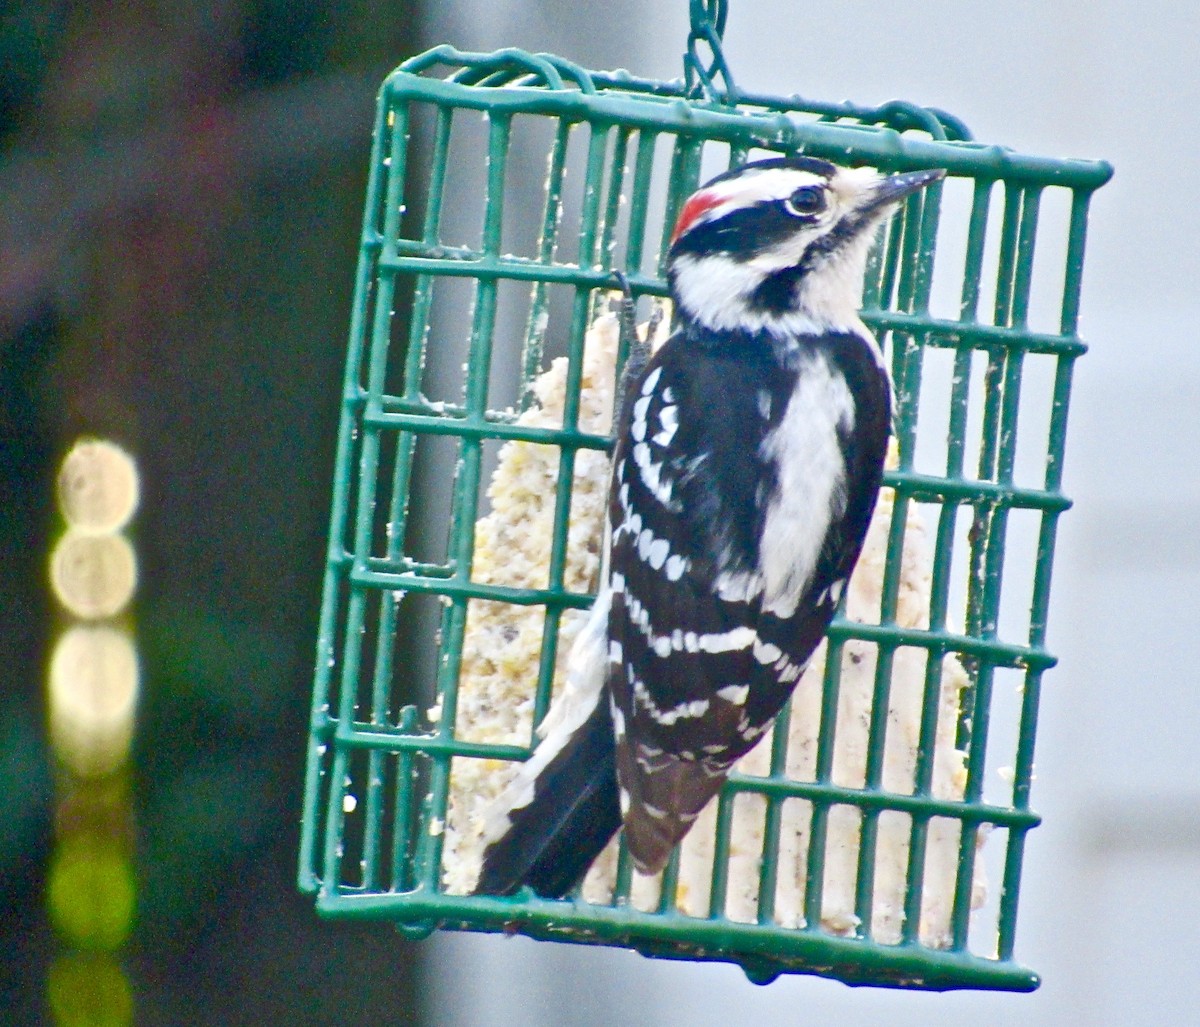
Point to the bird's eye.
(807, 200)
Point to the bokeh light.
(89, 989)
(93, 576)
(97, 487)
(93, 691)
(91, 891)
(92, 694)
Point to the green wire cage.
(974, 293)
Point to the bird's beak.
(895, 187)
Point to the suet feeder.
(974, 294)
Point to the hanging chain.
(708, 26)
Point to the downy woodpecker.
(748, 458)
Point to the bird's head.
(781, 244)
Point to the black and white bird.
(747, 464)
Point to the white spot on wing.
(669, 418)
(638, 428)
(734, 694)
(684, 710)
(727, 641)
(753, 731)
(651, 472)
(766, 652)
(651, 381)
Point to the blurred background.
(180, 201)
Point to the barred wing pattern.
(744, 479)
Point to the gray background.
(1111, 900)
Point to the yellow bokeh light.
(89, 989)
(97, 487)
(93, 576)
(91, 892)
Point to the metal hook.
(707, 27)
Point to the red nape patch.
(696, 205)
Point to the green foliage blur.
(180, 198)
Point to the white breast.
(811, 477)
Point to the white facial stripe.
(849, 187)
(758, 187)
(715, 289)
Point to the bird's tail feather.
(572, 813)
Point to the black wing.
(698, 665)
